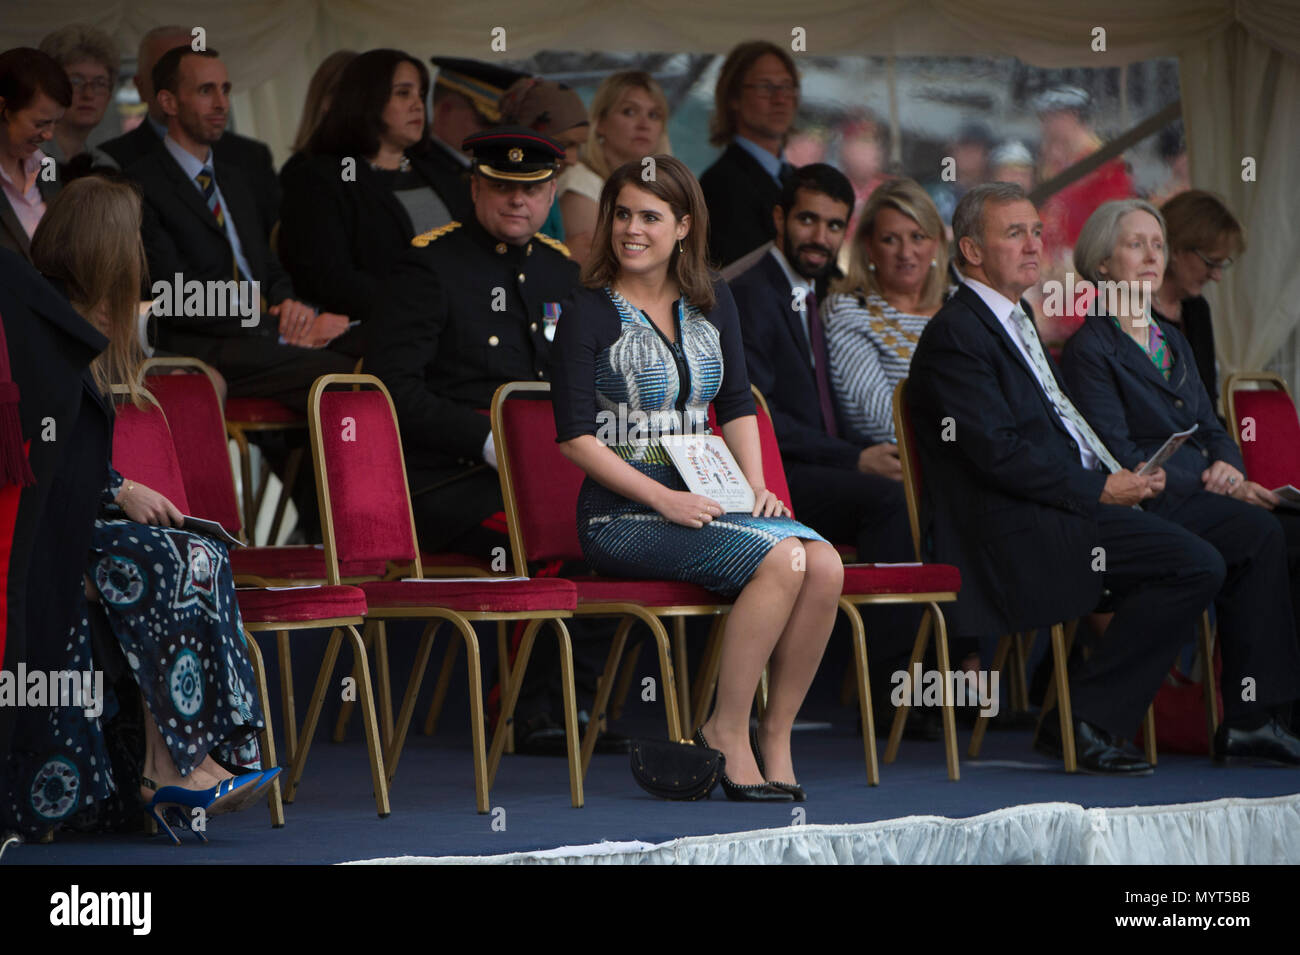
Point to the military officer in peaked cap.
(473, 305)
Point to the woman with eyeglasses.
(90, 58)
(1204, 239)
(1133, 377)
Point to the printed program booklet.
(708, 468)
(1290, 495)
(1167, 450)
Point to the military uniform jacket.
(465, 313)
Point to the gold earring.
(680, 250)
(871, 266)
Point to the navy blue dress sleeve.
(573, 365)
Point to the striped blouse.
(870, 346)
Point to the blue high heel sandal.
(169, 804)
(176, 804)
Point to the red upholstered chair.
(540, 486)
(204, 458)
(366, 515)
(927, 585)
(143, 450)
(1263, 421)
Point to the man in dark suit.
(202, 223)
(754, 107)
(1027, 501)
(847, 493)
(473, 306)
(251, 157)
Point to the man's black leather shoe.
(1272, 743)
(1096, 751)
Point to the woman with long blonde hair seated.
(156, 612)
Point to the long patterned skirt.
(622, 538)
(167, 616)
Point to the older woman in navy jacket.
(1135, 379)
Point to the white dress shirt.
(1002, 307)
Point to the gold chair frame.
(393, 733)
(675, 694)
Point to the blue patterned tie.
(1064, 407)
(208, 183)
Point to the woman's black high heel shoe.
(757, 792)
(794, 789)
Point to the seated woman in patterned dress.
(653, 332)
(157, 612)
(898, 278)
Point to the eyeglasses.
(770, 90)
(98, 85)
(1221, 264)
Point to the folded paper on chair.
(707, 466)
(1167, 450)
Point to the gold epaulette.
(555, 244)
(424, 238)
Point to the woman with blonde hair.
(319, 93)
(629, 121)
(653, 332)
(157, 612)
(897, 280)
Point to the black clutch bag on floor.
(676, 770)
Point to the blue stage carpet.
(333, 819)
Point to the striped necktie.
(1064, 407)
(208, 183)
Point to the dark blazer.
(740, 196)
(50, 349)
(12, 234)
(1133, 408)
(340, 240)
(181, 235)
(442, 349)
(1006, 498)
(252, 157)
(777, 354)
(1198, 328)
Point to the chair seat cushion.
(300, 604)
(508, 596)
(647, 593)
(262, 411)
(886, 579)
(302, 562)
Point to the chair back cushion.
(143, 451)
(362, 449)
(773, 468)
(200, 441)
(546, 483)
(1272, 457)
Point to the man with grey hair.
(1025, 498)
(252, 158)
